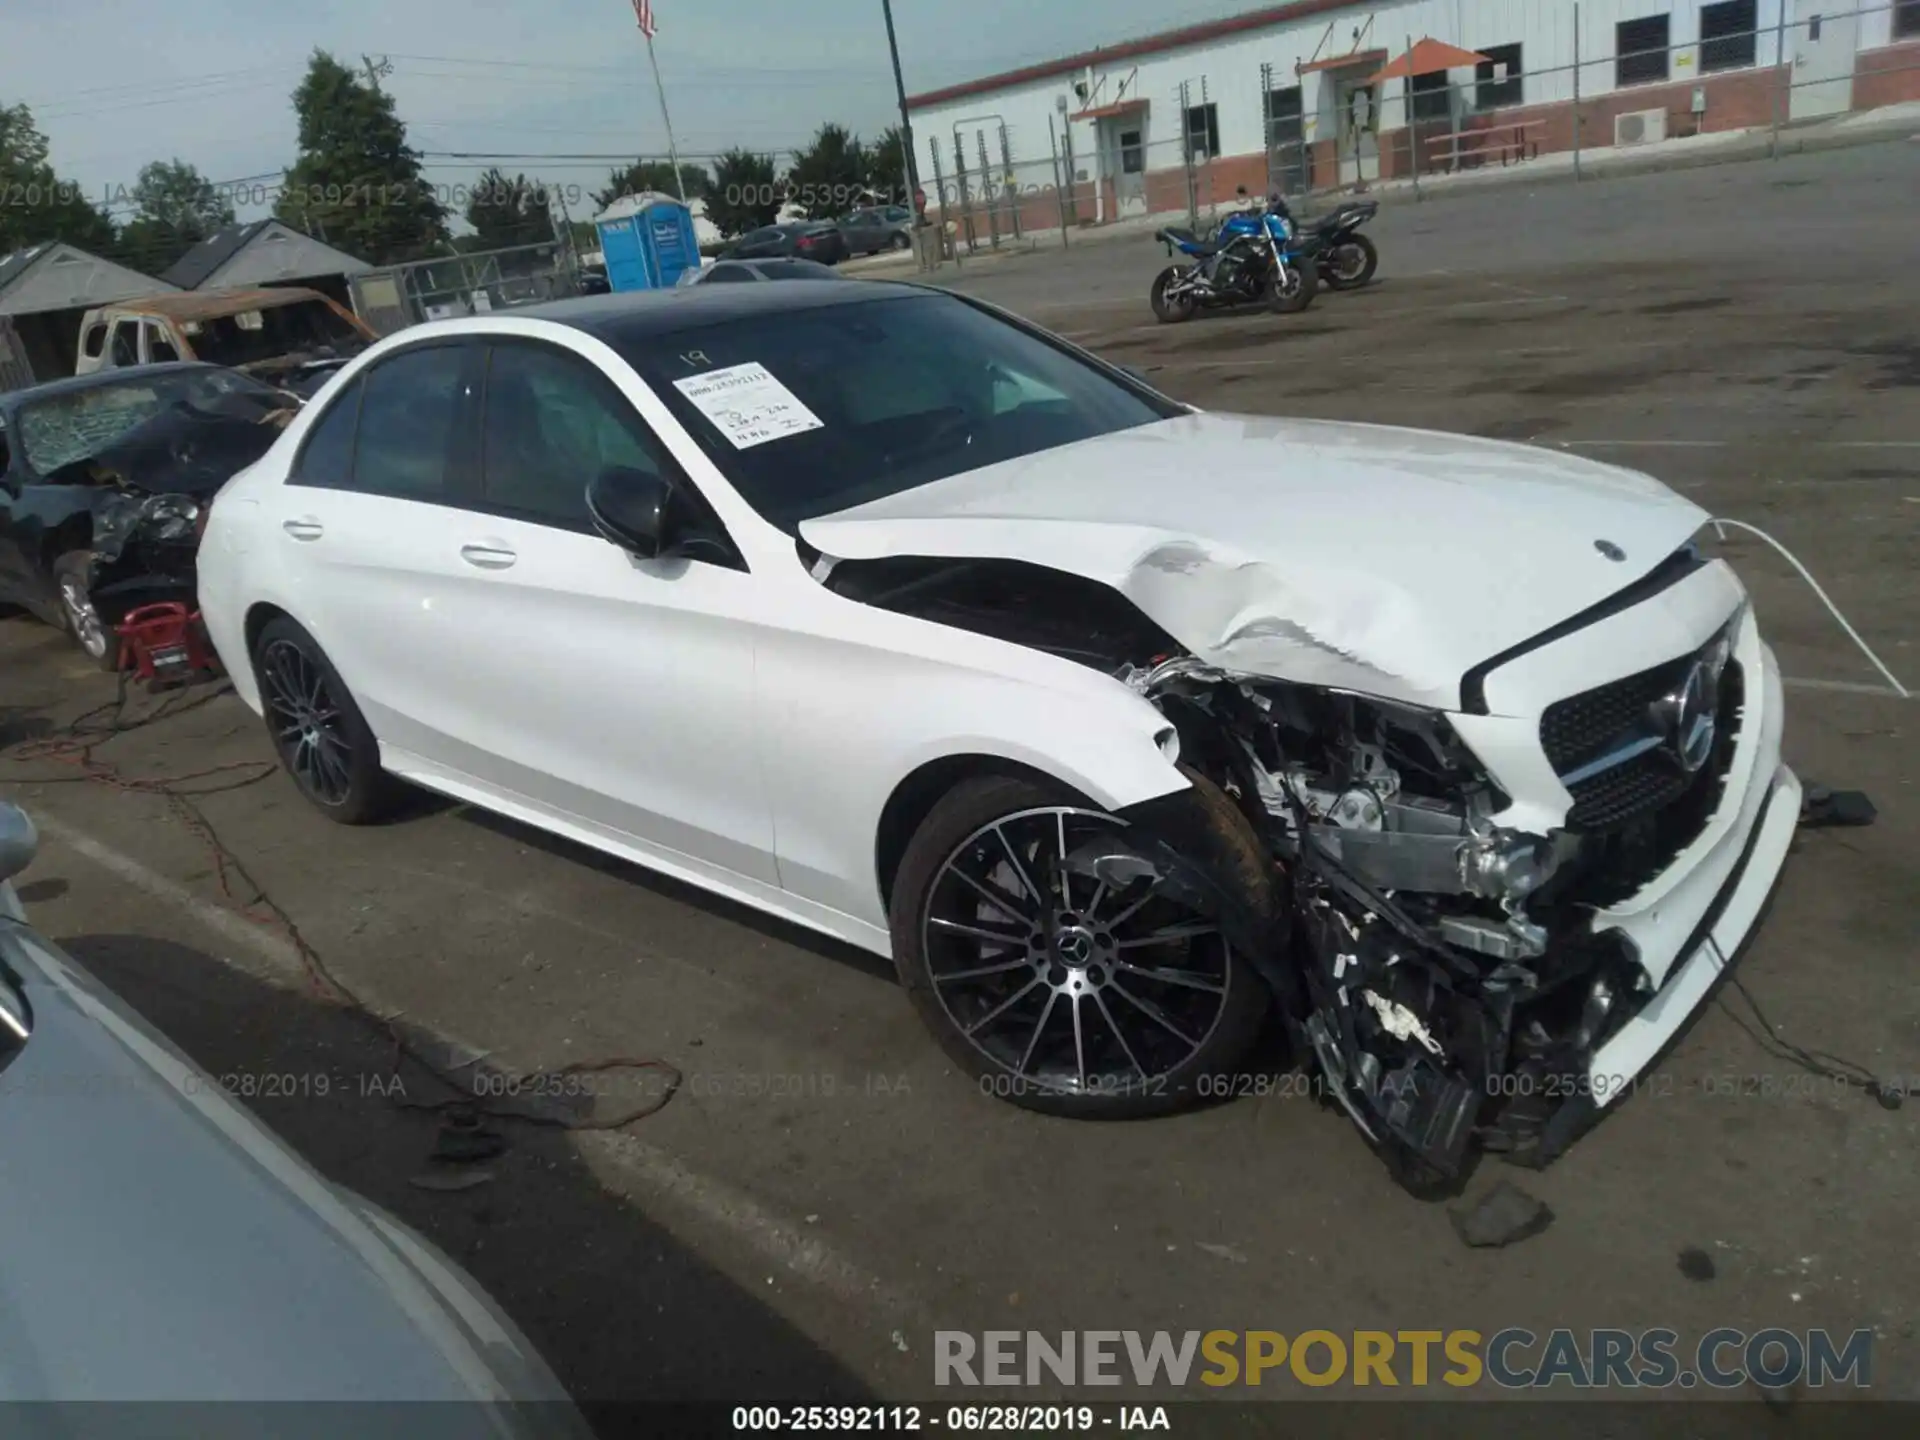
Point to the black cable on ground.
(75, 746)
(1822, 1063)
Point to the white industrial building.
(1287, 92)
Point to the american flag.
(643, 12)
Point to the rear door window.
(326, 456)
(407, 423)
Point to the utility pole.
(377, 70)
(643, 12)
(900, 93)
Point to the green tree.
(656, 175)
(507, 212)
(36, 205)
(176, 207)
(746, 193)
(887, 167)
(356, 182)
(829, 177)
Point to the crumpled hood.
(1382, 560)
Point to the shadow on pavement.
(620, 1309)
(665, 886)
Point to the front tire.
(323, 741)
(1057, 992)
(72, 579)
(1170, 311)
(1351, 263)
(1296, 292)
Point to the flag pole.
(673, 154)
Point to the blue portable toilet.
(647, 240)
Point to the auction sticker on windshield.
(748, 405)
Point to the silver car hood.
(1363, 557)
(163, 1245)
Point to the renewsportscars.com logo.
(1512, 1359)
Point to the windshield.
(254, 335)
(65, 428)
(904, 392)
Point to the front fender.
(844, 725)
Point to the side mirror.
(19, 841)
(632, 508)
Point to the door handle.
(488, 557)
(305, 528)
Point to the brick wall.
(1886, 76)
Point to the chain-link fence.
(401, 295)
(1331, 125)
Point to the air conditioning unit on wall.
(1639, 127)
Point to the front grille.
(1621, 855)
(1643, 784)
(1583, 728)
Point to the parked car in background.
(806, 239)
(729, 272)
(75, 452)
(877, 228)
(288, 336)
(961, 645)
(182, 1252)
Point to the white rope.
(1720, 525)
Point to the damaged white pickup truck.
(1120, 727)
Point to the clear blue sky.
(116, 83)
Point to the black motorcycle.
(1347, 258)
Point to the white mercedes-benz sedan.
(1117, 725)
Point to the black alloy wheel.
(318, 732)
(1058, 991)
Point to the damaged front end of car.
(1442, 970)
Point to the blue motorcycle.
(1257, 257)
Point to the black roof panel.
(636, 314)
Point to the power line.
(147, 87)
(626, 71)
(217, 94)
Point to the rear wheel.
(1053, 990)
(1170, 310)
(72, 577)
(1294, 292)
(1352, 263)
(323, 741)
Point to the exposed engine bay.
(1441, 970)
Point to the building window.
(1727, 34)
(1906, 18)
(1203, 131)
(1640, 50)
(1494, 85)
(1432, 99)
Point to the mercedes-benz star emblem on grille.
(1685, 716)
(1610, 550)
